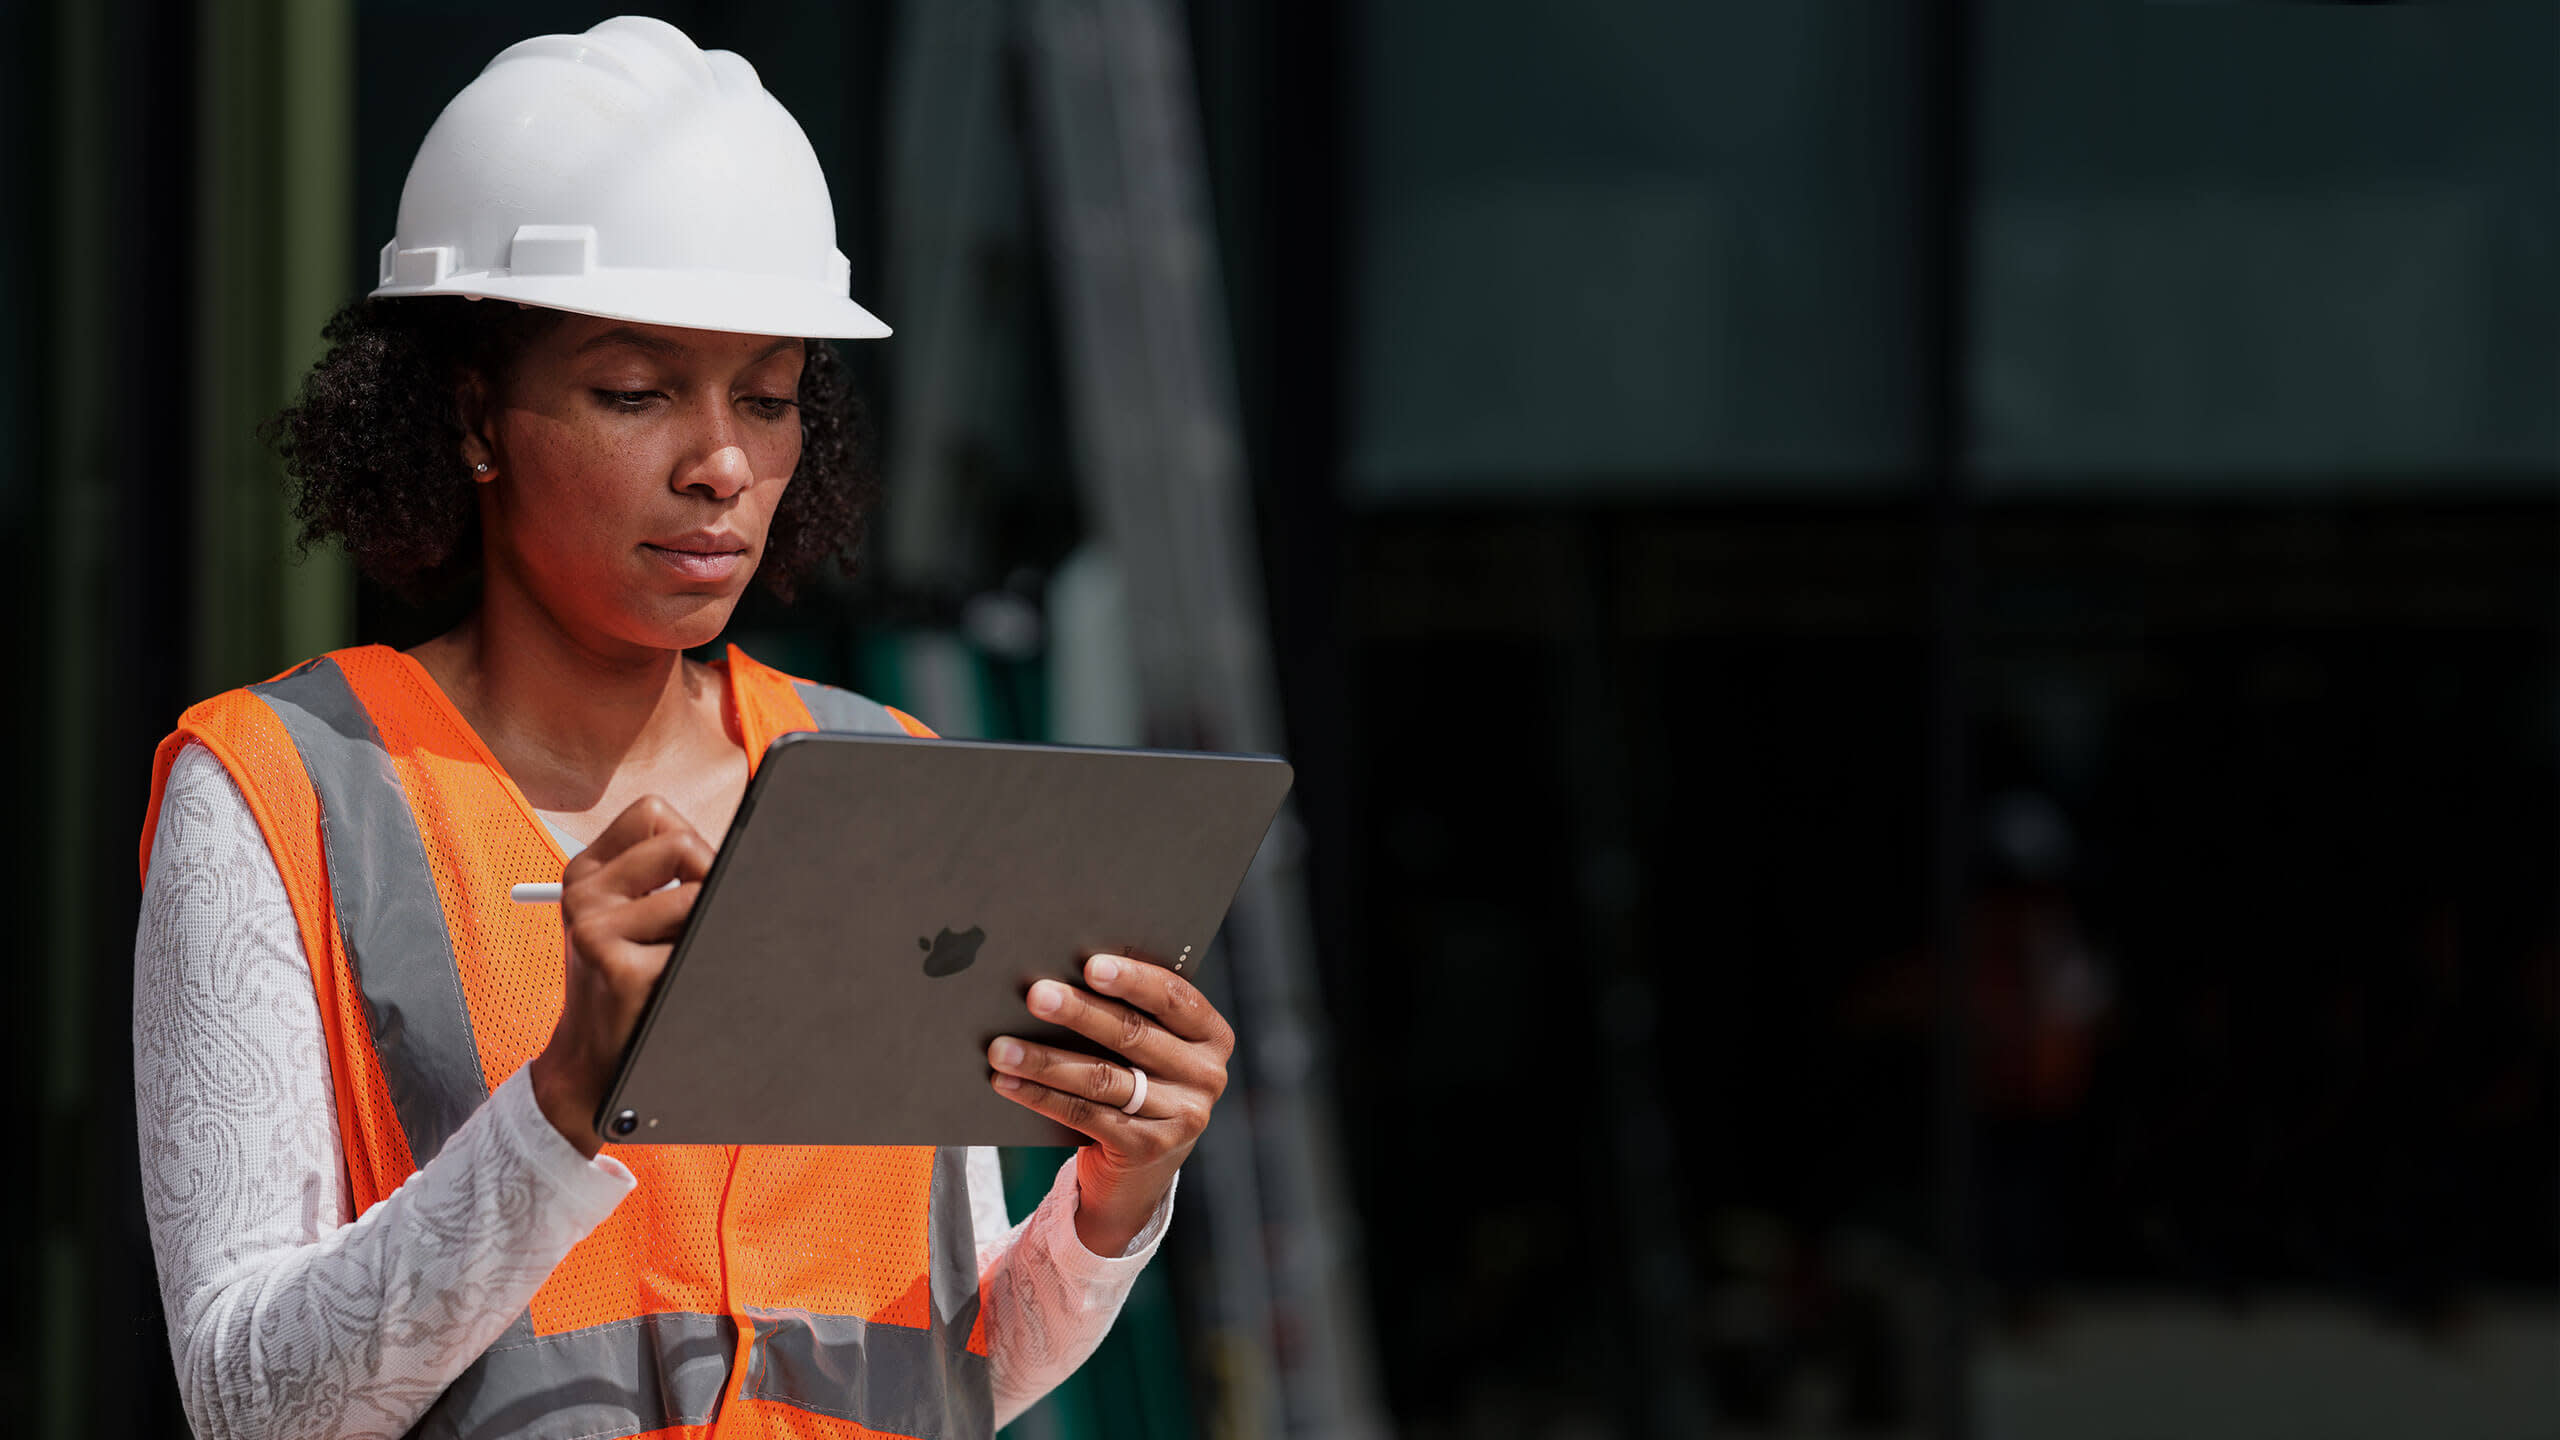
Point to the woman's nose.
(719, 474)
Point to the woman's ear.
(471, 407)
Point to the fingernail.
(1047, 996)
(1008, 1052)
(1101, 969)
(1007, 1082)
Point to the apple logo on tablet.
(949, 954)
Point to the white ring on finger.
(1138, 1096)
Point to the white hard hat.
(630, 174)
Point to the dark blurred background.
(1922, 643)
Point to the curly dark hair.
(374, 445)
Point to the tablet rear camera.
(626, 1122)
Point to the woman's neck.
(564, 717)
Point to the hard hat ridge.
(625, 172)
(648, 51)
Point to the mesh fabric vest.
(740, 1291)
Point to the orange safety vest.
(740, 1291)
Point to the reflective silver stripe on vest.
(842, 710)
(895, 1378)
(626, 1378)
(891, 1378)
(953, 1245)
(388, 911)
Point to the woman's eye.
(627, 399)
(771, 407)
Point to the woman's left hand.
(1159, 1023)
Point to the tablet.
(879, 910)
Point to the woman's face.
(633, 474)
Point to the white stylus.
(538, 894)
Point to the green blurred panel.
(315, 219)
(1632, 247)
(938, 677)
(1629, 247)
(2268, 247)
(274, 160)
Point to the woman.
(364, 1078)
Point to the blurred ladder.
(1150, 388)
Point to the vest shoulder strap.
(763, 688)
(243, 733)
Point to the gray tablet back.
(824, 993)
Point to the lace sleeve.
(1049, 1300)
(288, 1318)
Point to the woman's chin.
(679, 622)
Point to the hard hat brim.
(690, 300)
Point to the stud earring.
(480, 469)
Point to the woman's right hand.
(622, 919)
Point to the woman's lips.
(700, 564)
